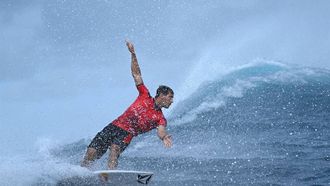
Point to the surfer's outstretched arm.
(136, 72)
(164, 136)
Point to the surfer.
(143, 115)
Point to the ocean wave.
(259, 75)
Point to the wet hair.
(162, 89)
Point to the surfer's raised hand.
(130, 46)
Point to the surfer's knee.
(115, 147)
(91, 153)
(115, 151)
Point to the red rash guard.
(141, 116)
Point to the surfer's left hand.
(167, 141)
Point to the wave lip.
(235, 84)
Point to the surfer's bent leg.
(120, 141)
(113, 156)
(115, 151)
(89, 157)
(98, 146)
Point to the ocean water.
(265, 123)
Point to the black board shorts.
(110, 134)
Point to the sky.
(65, 69)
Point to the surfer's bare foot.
(104, 177)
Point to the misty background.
(65, 69)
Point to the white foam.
(37, 166)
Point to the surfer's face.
(167, 100)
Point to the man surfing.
(143, 115)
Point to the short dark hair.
(162, 89)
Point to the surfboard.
(124, 177)
(108, 177)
